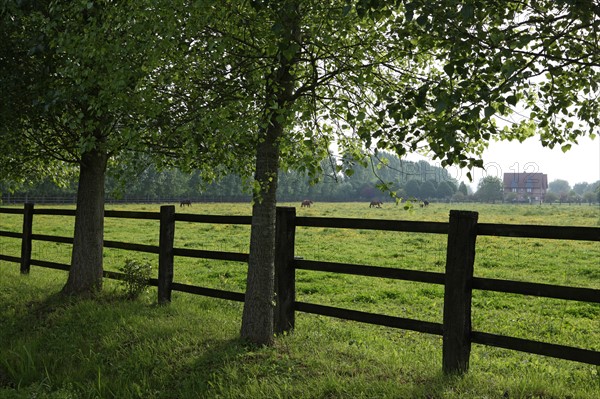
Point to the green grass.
(110, 347)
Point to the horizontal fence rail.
(539, 231)
(536, 289)
(374, 224)
(372, 318)
(458, 280)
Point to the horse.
(306, 203)
(424, 203)
(375, 204)
(185, 202)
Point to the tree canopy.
(502, 70)
(263, 85)
(490, 189)
(77, 71)
(406, 75)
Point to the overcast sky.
(580, 164)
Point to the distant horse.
(424, 203)
(306, 203)
(185, 202)
(375, 204)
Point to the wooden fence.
(458, 280)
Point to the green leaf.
(421, 96)
(410, 11)
(489, 111)
(449, 69)
(565, 147)
(291, 51)
(346, 10)
(422, 20)
(440, 106)
(512, 100)
(467, 12)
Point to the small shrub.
(136, 277)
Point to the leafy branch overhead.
(502, 70)
(443, 76)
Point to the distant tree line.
(560, 191)
(406, 179)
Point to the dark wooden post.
(285, 276)
(165, 255)
(460, 256)
(26, 241)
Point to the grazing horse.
(306, 203)
(424, 203)
(185, 202)
(375, 204)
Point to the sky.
(580, 164)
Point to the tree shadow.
(100, 336)
(108, 336)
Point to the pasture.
(324, 357)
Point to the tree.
(559, 187)
(510, 197)
(444, 190)
(463, 189)
(79, 67)
(594, 188)
(588, 197)
(427, 190)
(490, 189)
(413, 189)
(300, 72)
(550, 197)
(61, 116)
(580, 188)
(459, 197)
(573, 197)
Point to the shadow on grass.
(110, 347)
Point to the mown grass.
(109, 347)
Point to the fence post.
(165, 254)
(26, 241)
(285, 276)
(460, 256)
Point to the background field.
(335, 358)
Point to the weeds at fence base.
(136, 277)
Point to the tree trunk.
(85, 275)
(257, 317)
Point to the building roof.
(526, 180)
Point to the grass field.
(109, 347)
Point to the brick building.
(527, 187)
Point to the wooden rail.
(458, 280)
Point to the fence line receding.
(458, 279)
